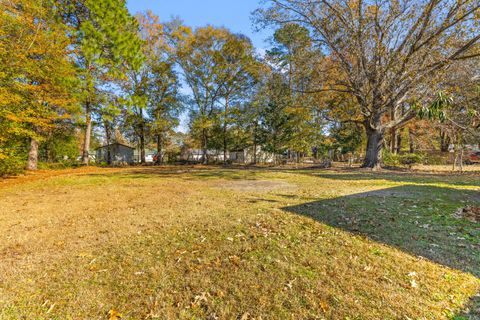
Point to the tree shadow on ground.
(456, 179)
(417, 219)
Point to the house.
(196, 155)
(149, 155)
(246, 156)
(115, 154)
(240, 156)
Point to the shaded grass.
(176, 245)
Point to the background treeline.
(348, 77)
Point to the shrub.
(405, 159)
(409, 159)
(11, 165)
(12, 159)
(437, 159)
(390, 159)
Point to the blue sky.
(232, 14)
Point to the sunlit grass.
(204, 244)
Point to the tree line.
(339, 75)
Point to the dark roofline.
(111, 144)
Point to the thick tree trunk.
(88, 133)
(374, 148)
(32, 163)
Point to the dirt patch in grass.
(255, 185)
(470, 213)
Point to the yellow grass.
(211, 243)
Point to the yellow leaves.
(114, 315)
(413, 283)
(200, 299)
(50, 306)
(324, 306)
(219, 293)
(289, 285)
(235, 260)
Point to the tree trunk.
(109, 140)
(393, 140)
(444, 141)
(204, 147)
(159, 149)
(32, 163)
(225, 123)
(411, 137)
(142, 143)
(374, 147)
(88, 133)
(461, 159)
(399, 142)
(255, 142)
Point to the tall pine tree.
(105, 39)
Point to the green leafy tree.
(294, 56)
(276, 123)
(154, 88)
(36, 79)
(105, 41)
(384, 54)
(238, 72)
(197, 53)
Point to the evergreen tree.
(105, 40)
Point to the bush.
(11, 165)
(437, 159)
(13, 158)
(409, 159)
(390, 159)
(405, 159)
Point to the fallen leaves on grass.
(235, 260)
(469, 213)
(114, 315)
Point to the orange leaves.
(35, 89)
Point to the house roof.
(115, 143)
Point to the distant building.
(196, 155)
(246, 156)
(241, 156)
(115, 154)
(149, 155)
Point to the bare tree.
(384, 53)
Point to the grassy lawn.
(177, 243)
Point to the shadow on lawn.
(456, 179)
(417, 219)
